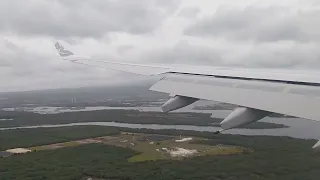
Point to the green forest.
(40, 136)
(273, 158)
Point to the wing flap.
(268, 96)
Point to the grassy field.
(153, 150)
(151, 147)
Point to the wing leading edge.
(156, 69)
(140, 69)
(257, 92)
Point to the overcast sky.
(249, 33)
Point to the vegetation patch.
(273, 158)
(44, 136)
(152, 147)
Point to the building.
(5, 154)
(18, 151)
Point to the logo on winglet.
(62, 52)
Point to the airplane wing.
(257, 93)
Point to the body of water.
(6, 119)
(298, 128)
(56, 110)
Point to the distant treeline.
(84, 96)
(122, 116)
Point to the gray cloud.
(90, 18)
(25, 70)
(295, 56)
(260, 24)
(147, 30)
(264, 55)
(184, 53)
(190, 12)
(124, 48)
